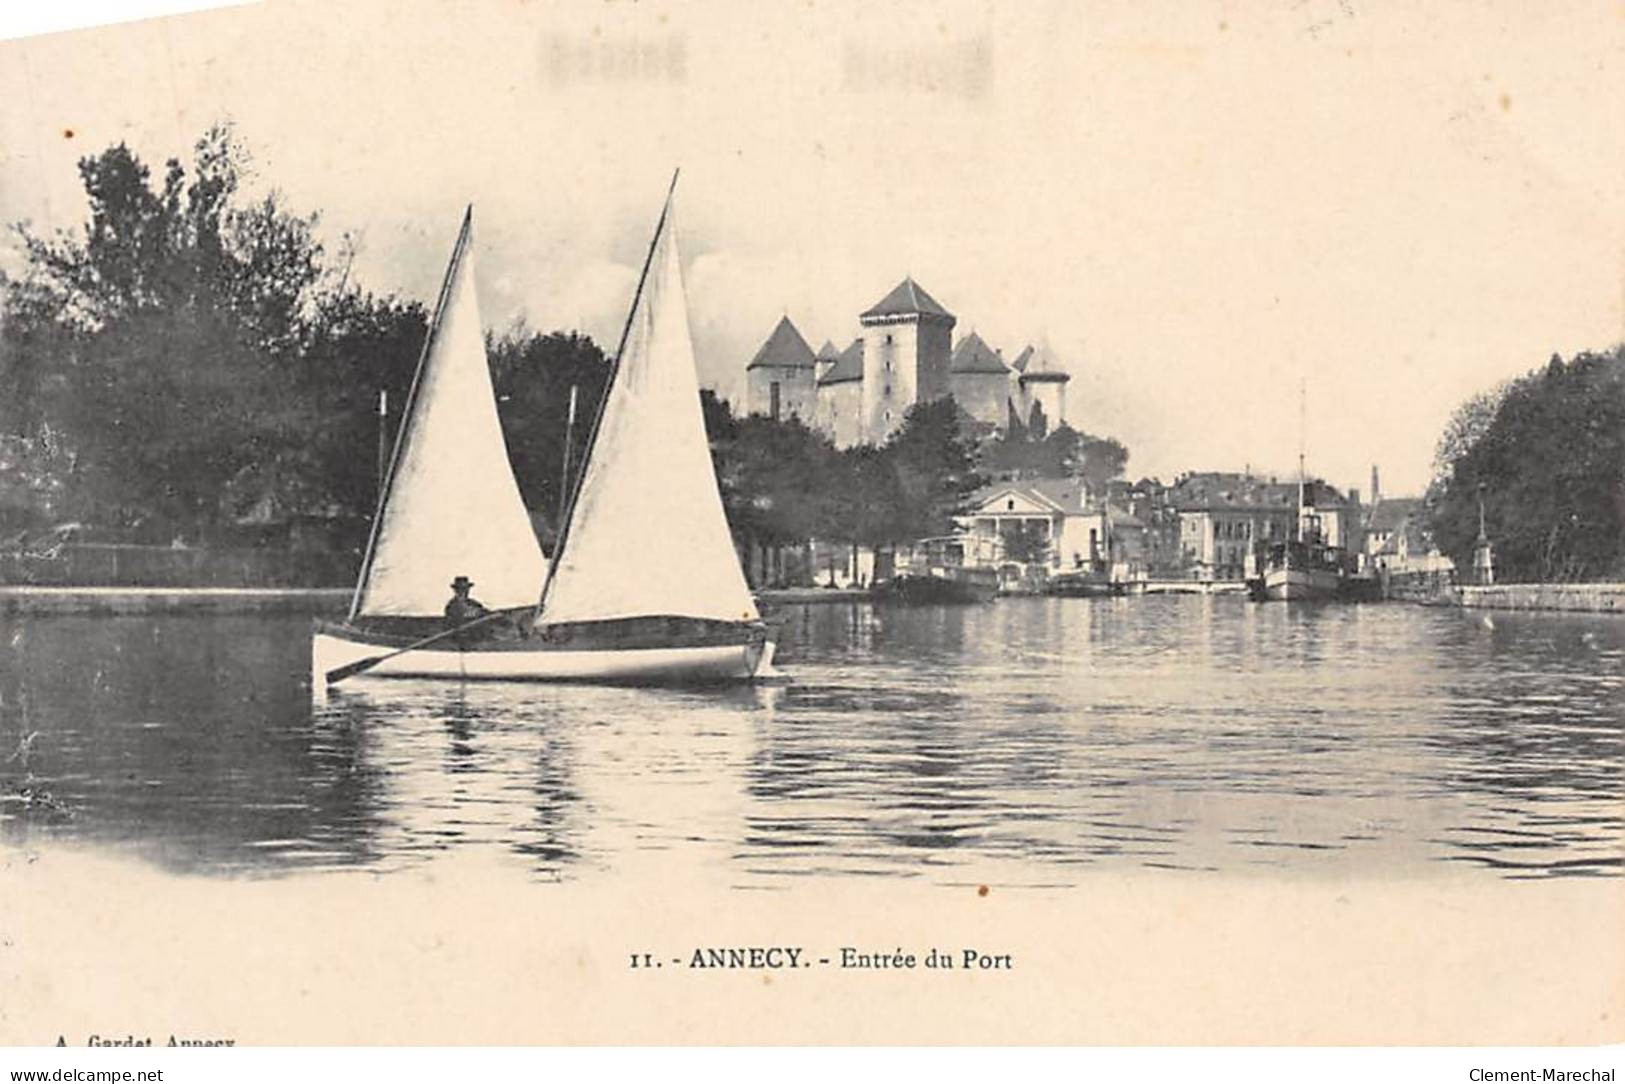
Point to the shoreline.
(1601, 598)
(120, 601)
(316, 601)
(1605, 598)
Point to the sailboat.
(644, 585)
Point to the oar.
(351, 669)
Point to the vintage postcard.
(594, 522)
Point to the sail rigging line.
(409, 411)
(1303, 435)
(569, 440)
(604, 398)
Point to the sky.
(1202, 208)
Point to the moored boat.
(1296, 571)
(940, 586)
(1094, 582)
(1304, 567)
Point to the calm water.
(1034, 741)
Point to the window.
(773, 400)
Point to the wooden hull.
(1071, 585)
(1301, 584)
(535, 660)
(928, 590)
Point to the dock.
(797, 596)
(120, 601)
(1602, 598)
(1187, 587)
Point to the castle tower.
(980, 381)
(827, 356)
(907, 343)
(840, 397)
(1040, 386)
(780, 379)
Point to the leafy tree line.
(204, 361)
(195, 361)
(1061, 452)
(1547, 453)
(784, 484)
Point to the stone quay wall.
(1584, 597)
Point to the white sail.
(453, 507)
(647, 535)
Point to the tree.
(1024, 542)
(1037, 422)
(158, 341)
(1470, 421)
(720, 426)
(1099, 460)
(1551, 463)
(782, 483)
(868, 507)
(362, 345)
(203, 364)
(1063, 453)
(1062, 450)
(532, 375)
(934, 467)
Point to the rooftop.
(784, 349)
(1039, 363)
(1230, 489)
(1065, 495)
(848, 365)
(908, 298)
(1390, 513)
(973, 355)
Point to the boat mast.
(409, 412)
(603, 400)
(564, 478)
(1303, 395)
(383, 438)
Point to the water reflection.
(455, 768)
(1028, 742)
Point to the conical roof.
(828, 352)
(973, 355)
(1039, 363)
(907, 298)
(784, 349)
(848, 366)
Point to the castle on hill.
(904, 354)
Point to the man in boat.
(463, 608)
